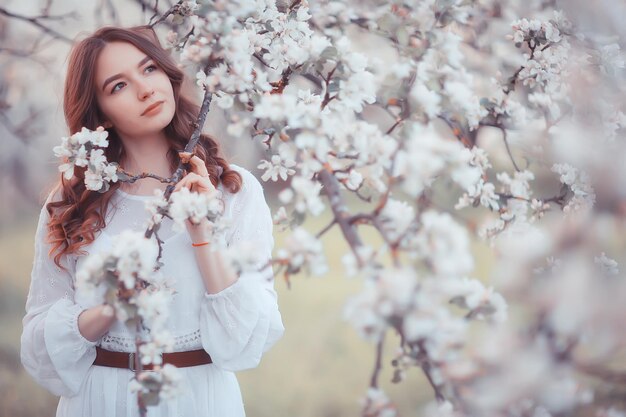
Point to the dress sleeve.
(241, 322)
(52, 349)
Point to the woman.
(123, 80)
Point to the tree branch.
(193, 141)
(35, 22)
(340, 211)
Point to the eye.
(114, 87)
(151, 66)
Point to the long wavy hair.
(80, 213)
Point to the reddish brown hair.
(80, 213)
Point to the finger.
(181, 183)
(184, 156)
(198, 166)
(188, 181)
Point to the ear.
(107, 125)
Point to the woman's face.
(128, 82)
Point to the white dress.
(235, 326)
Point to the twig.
(327, 98)
(260, 59)
(165, 15)
(508, 149)
(398, 121)
(35, 22)
(426, 367)
(607, 375)
(325, 229)
(98, 11)
(186, 37)
(156, 10)
(132, 178)
(378, 363)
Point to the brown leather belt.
(127, 360)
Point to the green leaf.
(330, 52)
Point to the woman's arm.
(52, 348)
(93, 323)
(242, 321)
(217, 273)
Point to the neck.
(146, 154)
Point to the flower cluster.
(547, 63)
(578, 182)
(189, 206)
(154, 386)
(535, 32)
(185, 204)
(126, 277)
(479, 192)
(85, 149)
(303, 251)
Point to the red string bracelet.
(200, 244)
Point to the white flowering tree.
(450, 121)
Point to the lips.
(152, 107)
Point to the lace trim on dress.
(189, 341)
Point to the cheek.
(115, 109)
(165, 85)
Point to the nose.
(144, 90)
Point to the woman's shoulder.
(249, 183)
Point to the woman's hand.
(197, 180)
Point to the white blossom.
(83, 149)
(396, 218)
(387, 294)
(579, 183)
(307, 195)
(193, 206)
(302, 250)
(376, 403)
(277, 167)
(426, 99)
(425, 156)
(611, 58)
(444, 243)
(607, 265)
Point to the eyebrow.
(116, 76)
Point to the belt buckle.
(131, 362)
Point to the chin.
(161, 121)
(166, 116)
